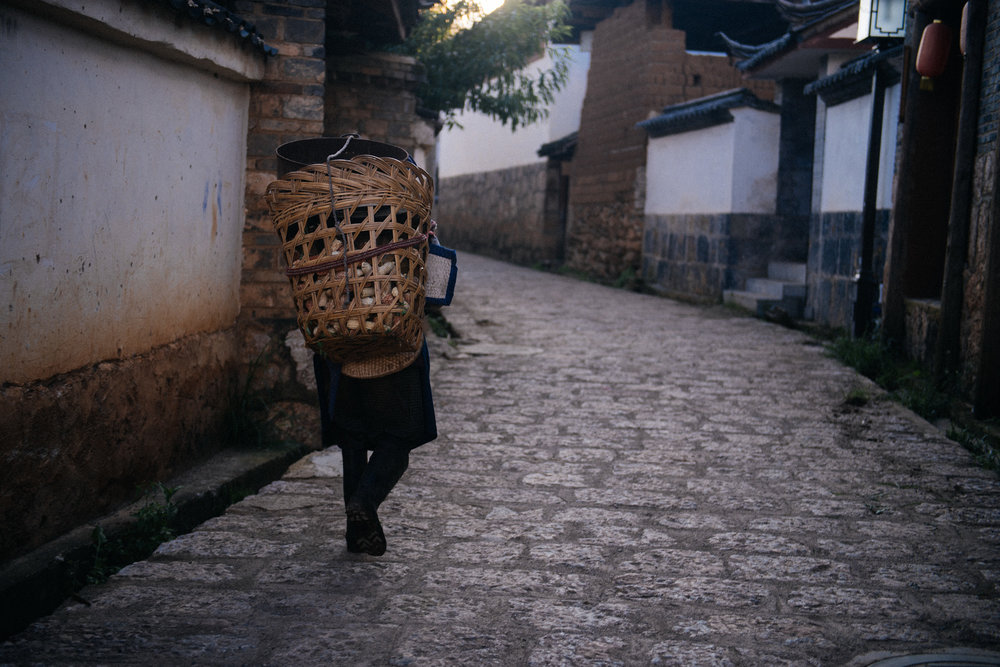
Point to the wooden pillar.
(947, 353)
(922, 198)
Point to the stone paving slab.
(620, 480)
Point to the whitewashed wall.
(728, 168)
(845, 153)
(483, 144)
(122, 162)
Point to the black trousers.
(369, 480)
(386, 416)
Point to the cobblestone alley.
(620, 479)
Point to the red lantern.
(932, 55)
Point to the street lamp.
(882, 23)
(881, 19)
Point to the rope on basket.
(344, 260)
(336, 221)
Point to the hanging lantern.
(932, 54)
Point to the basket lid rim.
(293, 155)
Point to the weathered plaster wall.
(721, 169)
(846, 151)
(122, 162)
(121, 177)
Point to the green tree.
(477, 61)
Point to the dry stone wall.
(499, 214)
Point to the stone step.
(761, 304)
(776, 289)
(792, 272)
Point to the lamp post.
(880, 22)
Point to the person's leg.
(355, 458)
(384, 469)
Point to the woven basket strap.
(356, 257)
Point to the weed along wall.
(122, 168)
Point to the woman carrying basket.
(352, 216)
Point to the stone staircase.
(782, 292)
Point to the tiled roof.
(854, 78)
(560, 149)
(703, 112)
(754, 55)
(218, 17)
(802, 15)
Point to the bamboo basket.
(354, 236)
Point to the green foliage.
(857, 397)
(477, 62)
(870, 357)
(439, 324)
(984, 448)
(629, 280)
(906, 381)
(153, 526)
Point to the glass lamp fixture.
(881, 20)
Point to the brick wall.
(374, 95)
(285, 106)
(638, 65)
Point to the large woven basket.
(354, 237)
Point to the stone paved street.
(620, 479)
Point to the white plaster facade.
(483, 144)
(727, 168)
(845, 152)
(122, 162)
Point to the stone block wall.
(697, 256)
(636, 51)
(500, 214)
(833, 263)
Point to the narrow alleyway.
(620, 480)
